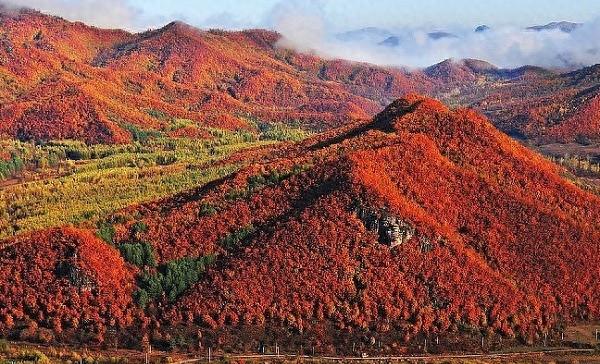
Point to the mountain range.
(399, 221)
(93, 83)
(387, 37)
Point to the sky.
(341, 14)
(349, 14)
(313, 26)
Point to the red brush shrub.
(65, 280)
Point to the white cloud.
(306, 29)
(100, 13)
(225, 20)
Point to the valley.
(85, 184)
(183, 189)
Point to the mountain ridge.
(233, 79)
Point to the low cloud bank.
(112, 14)
(306, 29)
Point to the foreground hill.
(64, 80)
(62, 281)
(423, 222)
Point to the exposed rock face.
(392, 230)
(76, 276)
(425, 244)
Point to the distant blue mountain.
(563, 26)
(440, 35)
(387, 38)
(369, 34)
(392, 41)
(395, 40)
(482, 28)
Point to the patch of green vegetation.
(236, 193)
(139, 227)
(141, 135)
(274, 177)
(115, 176)
(177, 124)
(140, 254)
(236, 238)
(106, 232)
(166, 159)
(30, 356)
(226, 136)
(282, 132)
(180, 341)
(206, 209)
(17, 156)
(276, 131)
(171, 279)
(257, 182)
(11, 166)
(157, 114)
(77, 150)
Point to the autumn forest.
(184, 189)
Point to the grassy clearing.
(93, 181)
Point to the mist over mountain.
(556, 44)
(369, 34)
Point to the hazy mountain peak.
(563, 26)
(392, 41)
(368, 34)
(440, 35)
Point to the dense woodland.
(286, 248)
(185, 189)
(62, 80)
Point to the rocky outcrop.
(69, 270)
(75, 275)
(392, 230)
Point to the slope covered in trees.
(425, 222)
(60, 79)
(92, 88)
(63, 285)
(493, 238)
(535, 104)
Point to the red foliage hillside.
(114, 78)
(459, 72)
(583, 126)
(59, 283)
(496, 239)
(539, 105)
(424, 221)
(61, 110)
